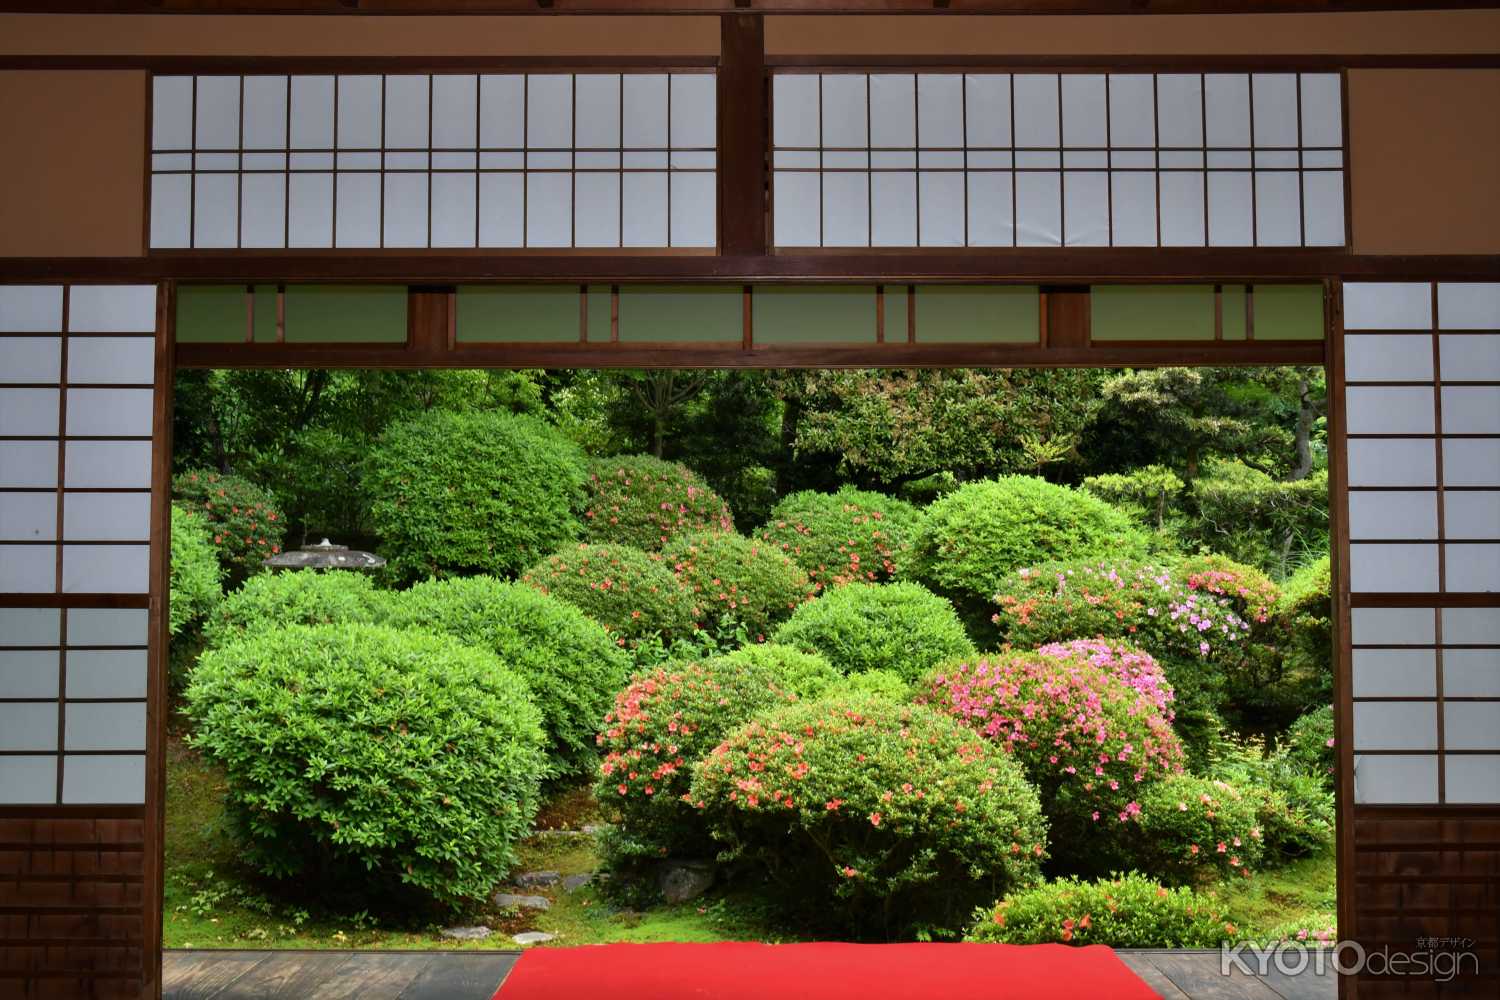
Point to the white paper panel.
(218, 118)
(454, 108)
(1385, 305)
(109, 412)
(115, 673)
(1387, 357)
(1392, 626)
(28, 517)
(359, 112)
(406, 117)
(172, 112)
(895, 220)
(1323, 209)
(1469, 305)
(1471, 410)
(1278, 209)
(28, 780)
(107, 726)
(31, 359)
(112, 309)
(843, 110)
(1390, 673)
(107, 627)
(115, 360)
(1179, 102)
(1397, 568)
(1389, 409)
(30, 308)
(1133, 202)
(1086, 208)
(1395, 725)
(28, 412)
(1471, 725)
(406, 210)
(104, 779)
(797, 214)
(1322, 110)
(1392, 462)
(893, 114)
(1471, 626)
(265, 112)
(598, 111)
(646, 110)
(1182, 203)
(941, 206)
(940, 121)
(1395, 778)
(1471, 514)
(1038, 209)
(1131, 110)
(28, 673)
(357, 215)
(28, 464)
(1275, 112)
(1469, 357)
(1471, 673)
(693, 211)
(549, 210)
(106, 569)
(645, 201)
(1472, 778)
(1472, 568)
(1228, 109)
(693, 117)
(1395, 515)
(28, 726)
(987, 109)
(311, 210)
(501, 208)
(28, 569)
(990, 221)
(846, 209)
(102, 517)
(171, 211)
(1085, 118)
(1471, 462)
(29, 626)
(598, 204)
(263, 210)
(216, 200)
(1036, 99)
(1230, 221)
(113, 464)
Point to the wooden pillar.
(743, 114)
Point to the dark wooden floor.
(447, 975)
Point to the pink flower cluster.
(1133, 666)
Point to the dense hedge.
(873, 819)
(195, 587)
(1304, 621)
(300, 597)
(364, 757)
(458, 493)
(851, 535)
(246, 523)
(1124, 911)
(1309, 744)
(631, 593)
(643, 501)
(661, 724)
(1191, 830)
(899, 627)
(806, 675)
(975, 538)
(737, 584)
(570, 663)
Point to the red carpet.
(749, 971)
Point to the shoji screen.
(1057, 159)
(1422, 404)
(553, 160)
(77, 366)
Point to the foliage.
(633, 594)
(1123, 911)
(899, 627)
(661, 724)
(247, 526)
(1293, 808)
(1310, 747)
(806, 675)
(845, 536)
(873, 819)
(488, 492)
(569, 662)
(1254, 518)
(1086, 723)
(1191, 829)
(976, 537)
(1304, 620)
(736, 583)
(643, 501)
(317, 476)
(298, 597)
(359, 754)
(1146, 492)
(195, 588)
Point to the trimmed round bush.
(633, 594)
(899, 627)
(460, 493)
(1309, 744)
(196, 573)
(643, 501)
(369, 758)
(807, 675)
(661, 724)
(975, 538)
(1191, 830)
(1250, 593)
(838, 538)
(1124, 911)
(297, 597)
(873, 819)
(569, 662)
(247, 526)
(1295, 815)
(737, 584)
(1088, 739)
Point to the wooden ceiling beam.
(460, 7)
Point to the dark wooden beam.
(742, 135)
(534, 7)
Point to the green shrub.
(195, 588)
(1293, 807)
(631, 593)
(296, 597)
(1257, 519)
(1192, 830)
(851, 535)
(569, 662)
(360, 757)
(1148, 492)
(1304, 621)
(873, 819)
(877, 683)
(975, 538)
(736, 584)
(1309, 745)
(643, 501)
(1124, 911)
(483, 492)
(807, 675)
(246, 523)
(661, 724)
(898, 627)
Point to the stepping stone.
(506, 899)
(533, 937)
(575, 882)
(467, 933)
(529, 879)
